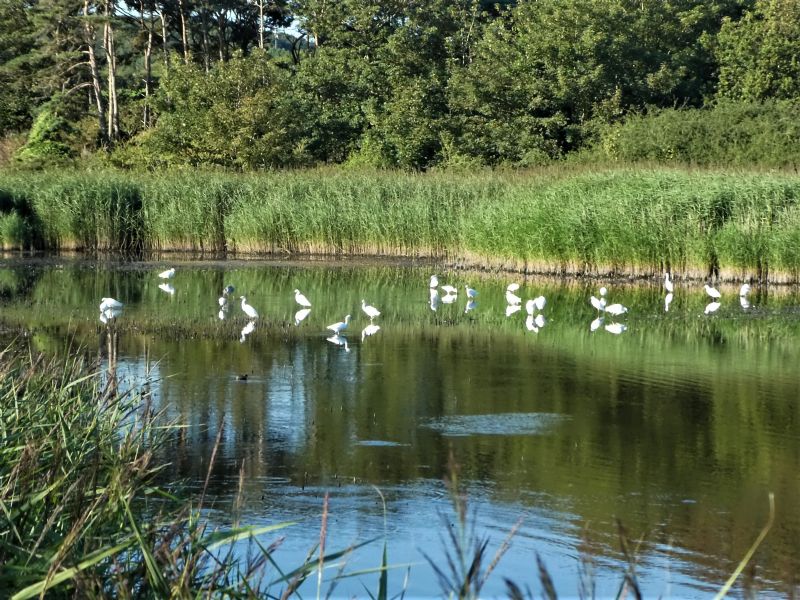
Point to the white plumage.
(301, 299)
(168, 274)
(248, 310)
(370, 311)
(339, 327)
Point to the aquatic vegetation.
(635, 221)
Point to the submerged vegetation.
(695, 223)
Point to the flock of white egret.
(535, 320)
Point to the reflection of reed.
(110, 338)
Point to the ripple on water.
(496, 424)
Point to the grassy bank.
(737, 225)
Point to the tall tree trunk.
(221, 22)
(184, 37)
(261, 24)
(204, 23)
(147, 25)
(162, 15)
(90, 40)
(111, 63)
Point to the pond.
(675, 425)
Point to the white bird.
(369, 330)
(246, 330)
(667, 301)
(370, 311)
(106, 303)
(434, 281)
(339, 327)
(616, 309)
(598, 303)
(471, 293)
(301, 299)
(339, 340)
(603, 291)
(712, 307)
(533, 304)
(512, 298)
(109, 313)
(744, 290)
(667, 283)
(595, 325)
(512, 287)
(450, 290)
(512, 308)
(616, 328)
(300, 315)
(168, 274)
(248, 310)
(223, 300)
(713, 292)
(165, 287)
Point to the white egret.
(248, 310)
(471, 293)
(512, 287)
(603, 291)
(165, 287)
(667, 301)
(616, 328)
(247, 330)
(168, 274)
(370, 311)
(223, 300)
(512, 298)
(744, 290)
(471, 304)
(595, 325)
(713, 292)
(449, 289)
(434, 281)
(106, 303)
(339, 327)
(109, 314)
(667, 283)
(712, 307)
(300, 315)
(534, 304)
(369, 330)
(616, 309)
(339, 340)
(301, 299)
(512, 308)
(598, 303)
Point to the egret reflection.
(300, 315)
(165, 287)
(339, 340)
(470, 306)
(511, 309)
(369, 330)
(712, 307)
(667, 301)
(595, 325)
(247, 330)
(616, 328)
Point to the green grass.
(633, 221)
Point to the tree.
(759, 55)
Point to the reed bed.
(728, 225)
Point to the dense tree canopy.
(252, 84)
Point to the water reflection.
(300, 315)
(166, 287)
(680, 427)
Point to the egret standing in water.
(534, 304)
(713, 292)
(434, 282)
(616, 310)
(247, 309)
(370, 311)
(301, 299)
(168, 274)
(339, 327)
(511, 298)
(226, 292)
(471, 293)
(110, 303)
(668, 284)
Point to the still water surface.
(679, 427)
